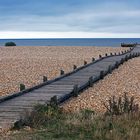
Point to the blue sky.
(73, 17)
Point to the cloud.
(72, 16)
(80, 21)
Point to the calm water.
(71, 42)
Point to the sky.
(69, 18)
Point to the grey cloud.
(112, 19)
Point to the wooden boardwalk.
(12, 107)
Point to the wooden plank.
(66, 86)
(12, 104)
(7, 123)
(28, 101)
(15, 107)
(10, 115)
(44, 93)
(71, 82)
(20, 112)
(56, 89)
(74, 81)
(35, 99)
(60, 89)
(11, 110)
(9, 119)
(20, 102)
(80, 77)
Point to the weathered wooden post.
(126, 58)
(101, 74)
(133, 55)
(116, 64)
(91, 81)
(110, 69)
(22, 87)
(45, 79)
(74, 67)
(100, 56)
(93, 59)
(130, 56)
(75, 90)
(85, 62)
(122, 61)
(53, 101)
(62, 72)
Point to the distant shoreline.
(99, 42)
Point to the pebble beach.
(28, 65)
(125, 79)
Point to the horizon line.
(69, 38)
(63, 35)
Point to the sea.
(98, 42)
